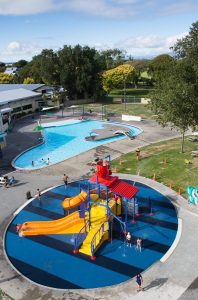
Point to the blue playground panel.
(48, 260)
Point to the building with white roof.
(34, 87)
(20, 100)
(16, 102)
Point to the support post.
(126, 210)
(151, 209)
(89, 205)
(133, 220)
(137, 214)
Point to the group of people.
(8, 181)
(139, 279)
(47, 162)
(65, 180)
(129, 242)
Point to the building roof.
(15, 95)
(10, 70)
(13, 86)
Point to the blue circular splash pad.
(48, 260)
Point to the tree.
(118, 76)
(44, 68)
(175, 99)
(2, 67)
(32, 69)
(80, 71)
(159, 65)
(49, 67)
(112, 58)
(21, 63)
(28, 80)
(187, 47)
(6, 78)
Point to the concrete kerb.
(104, 289)
(175, 243)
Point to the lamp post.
(62, 109)
(102, 112)
(124, 92)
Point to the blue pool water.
(48, 260)
(62, 142)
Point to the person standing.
(138, 154)
(139, 281)
(65, 180)
(128, 239)
(38, 194)
(6, 182)
(139, 244)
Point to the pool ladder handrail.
(102, 230)
(79, 238)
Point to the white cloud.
(179, 7)
(25, 7)
(144, 46)
(13, 47)
(102, 8)
(16, 50)
(148, 45)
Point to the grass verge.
(4, 296)
(142, 93)
(165, 163)
(129, 109)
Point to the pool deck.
(108, 131)
(176, 278)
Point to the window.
(17, 109)
(29, 106)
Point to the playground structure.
(101, 201)
(192, 194)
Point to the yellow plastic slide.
(69, 203)
(98, 217)
(67, 225)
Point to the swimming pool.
(48, 259)
(65, 141)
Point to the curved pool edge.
(162, 260)
(53, 164)
(174, 244)
(15, 158)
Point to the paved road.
(174, 279)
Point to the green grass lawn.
(166, 162)
(145, 75)
(4, 296)
(131, 109)
(139, 92)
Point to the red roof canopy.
(123, 189)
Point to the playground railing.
(81, 235)
(98, 236)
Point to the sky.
(141, 28)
